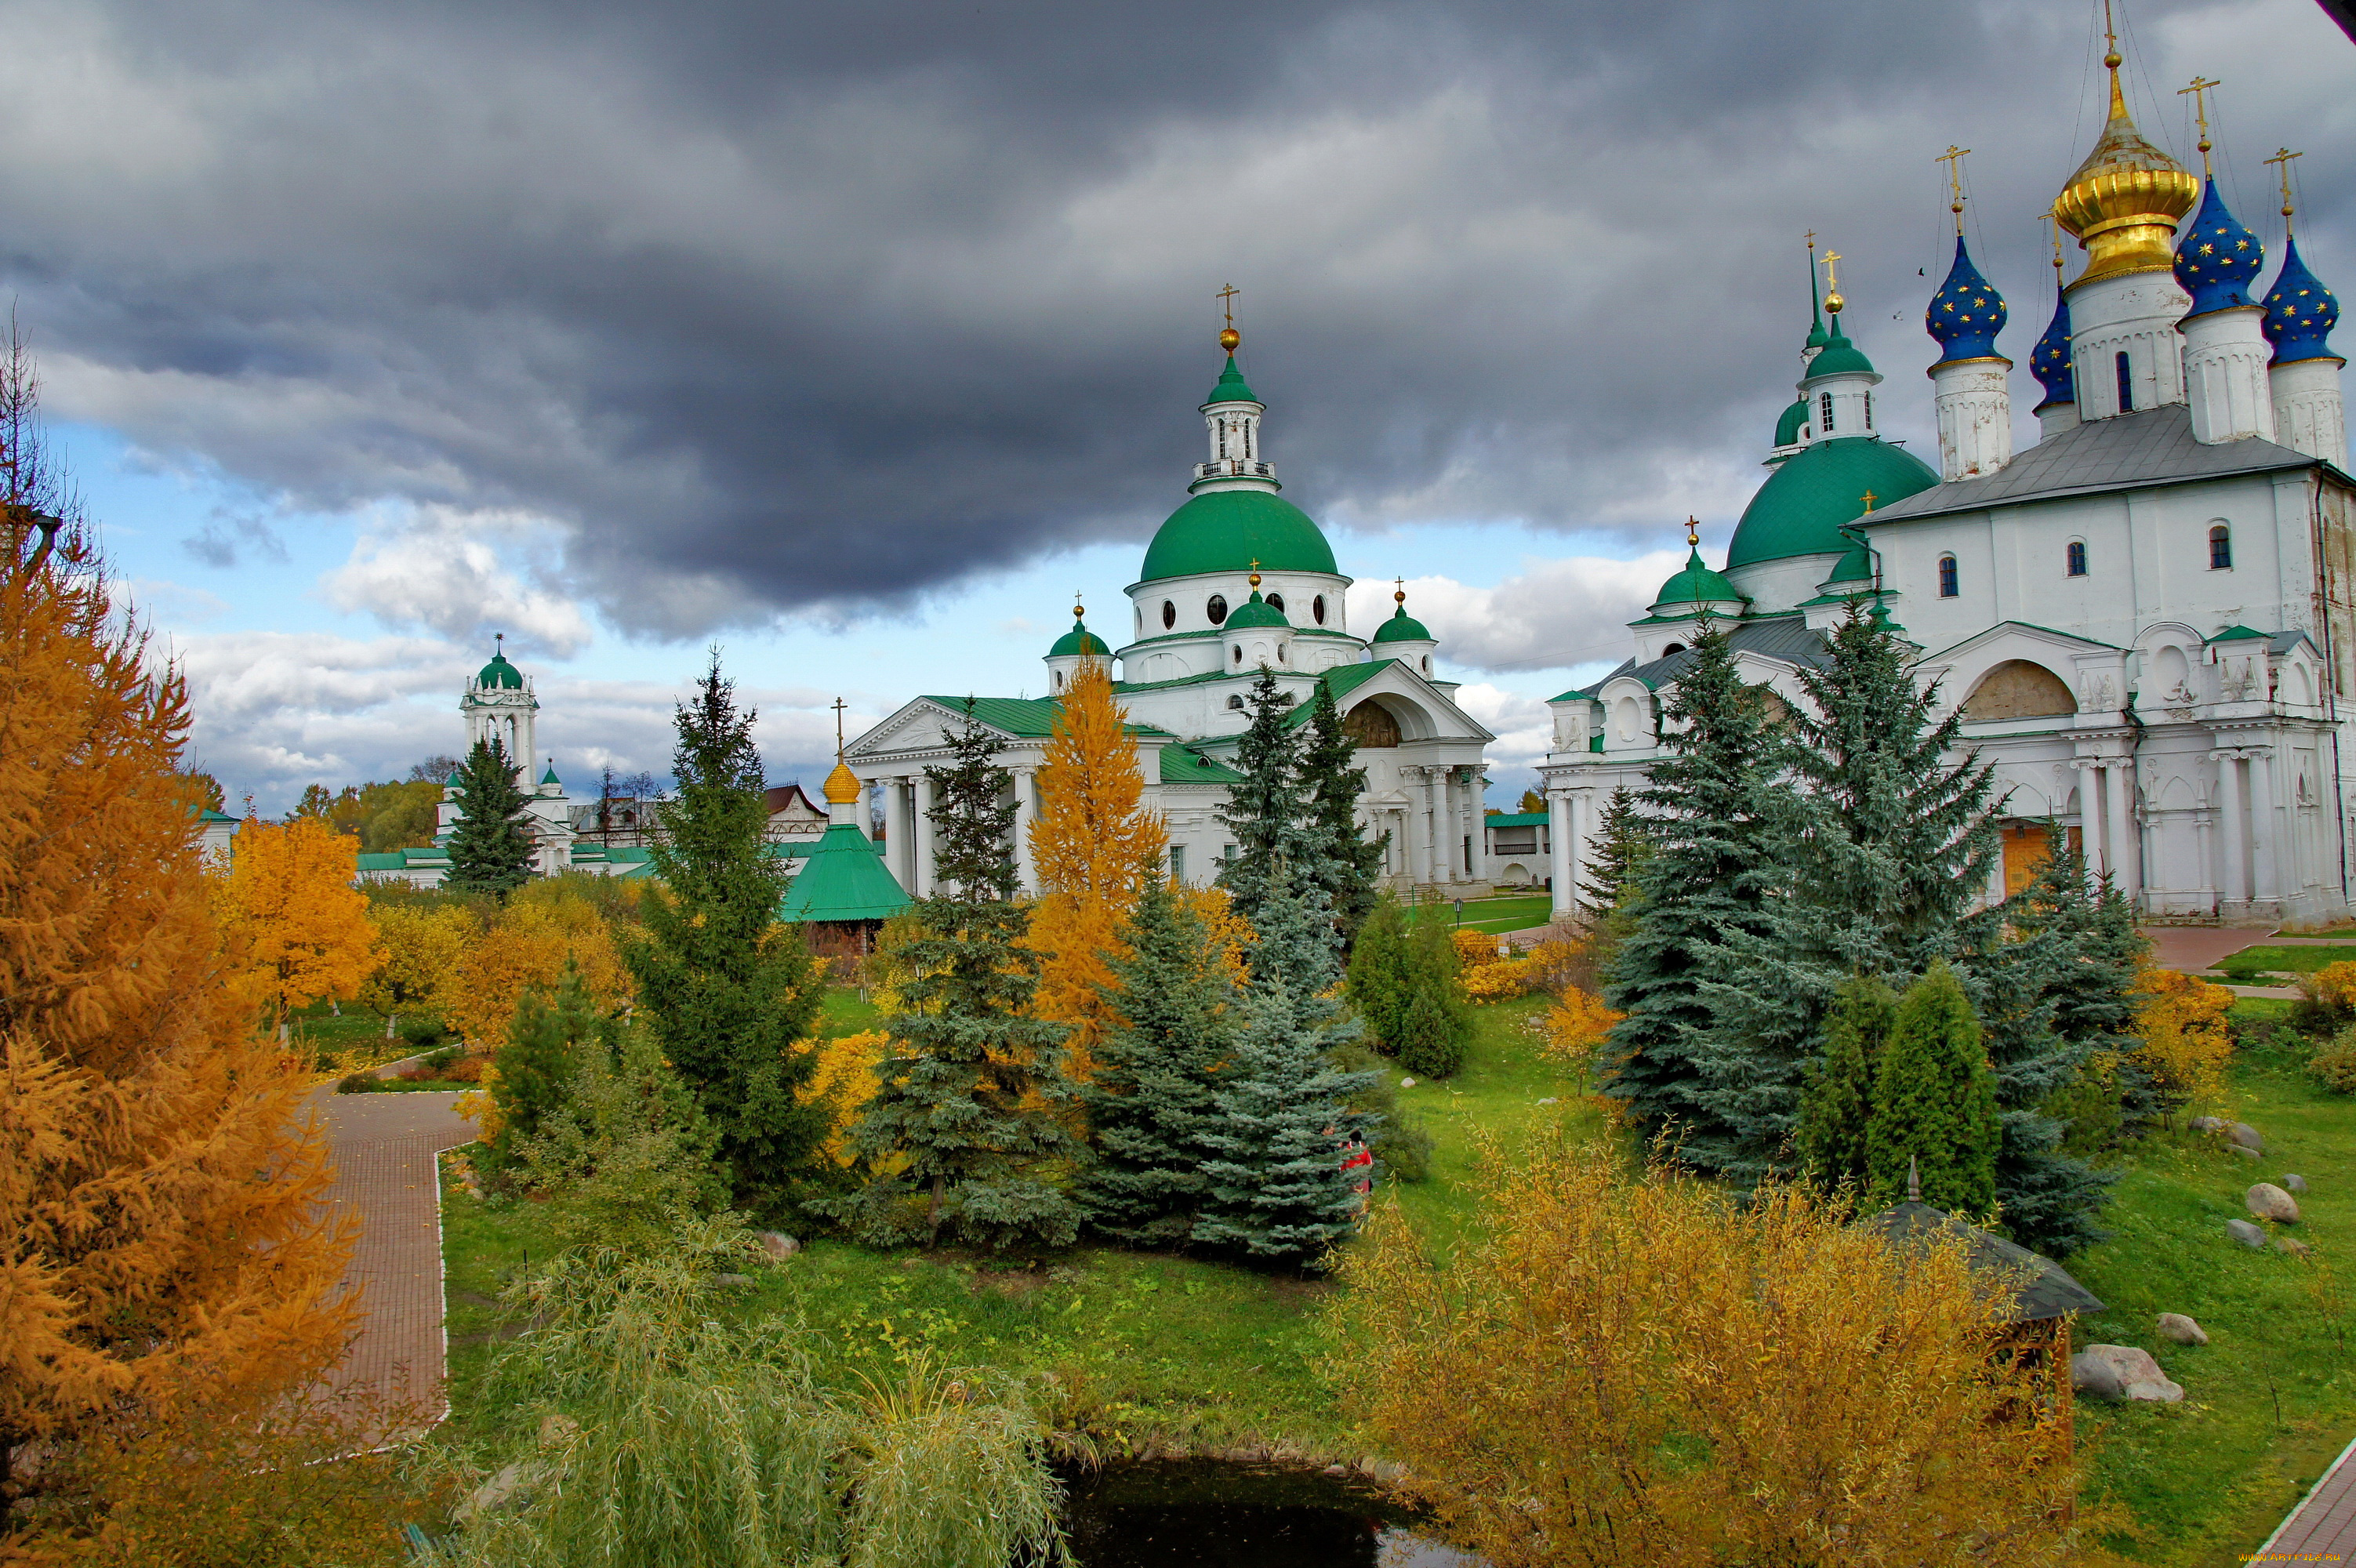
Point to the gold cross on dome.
(1954, 158)
(2199, 90)
(2281, 158)
(839, 707)
(1226, 298)
(1693, 531)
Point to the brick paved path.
(2322, 1529)
(383, 1147)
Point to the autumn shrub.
(1498, 981)
(357, 1083)
(2334, 1062)
(1474, 948)
(2180, 1020)
(845, 1081)
(1575, 1026)
(1619, 1368)
(524, 948)
(2326, 999)
(1559, 963)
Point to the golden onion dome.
(2125, 200)
(841, 786)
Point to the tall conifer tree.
(965, 1131)
(1277, 1189)
(1935, 1103)
(1337, 857)
(730, 993)
(489, 850)
(1621, 837)
(1708, 874)
(547, 1042)
(1155, 1093)
(1265, 810)
(1838, 1105)
(1381, 977)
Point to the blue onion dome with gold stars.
(2300, 312)
(1079, 640)
(1695, 584)
(1256, 611)
(2050, 361)
(2218, 258)
(1231, 387)
(1966, 313)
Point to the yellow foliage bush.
(423, 947)
(1474, 948)
(295, 927)
(480, 1105)
(2332, 987)
(1498, 981)
(1576, 1024)
(845, 1082)
(2334, 1063)
(1558, 965)
(2182, 1020)
(524, 948)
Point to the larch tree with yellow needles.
(296, 925)
(1096, 847)
(161, 1237)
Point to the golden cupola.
(842, 784)
(2125, 200)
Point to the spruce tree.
(547, 1042)
(1278, 1191)
(1620, 838)
(1380, 981)
(1336, 857)
(1264, 811)
(731, 994)
(1154, 1095)
(489, 850)
(1435, 1028)
(1882, 845)
(1838, 1101)
(965, 1134)
(1935, 1103)
(1707, 875)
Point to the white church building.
(2145, 617)
(1238, 580)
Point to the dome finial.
(1954, 158)
(2282, 158)
(1833, 300)
(1229, 339)
(2111, 61)
(2199, 90)
(1693, 533)
(1077, 612)
(1399, 596)
(1255, 574)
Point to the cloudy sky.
(857, 337)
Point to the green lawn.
(2252, 961)
(1517, 913)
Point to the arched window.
(1279, 654)
(1276, 603)
(1948, 586)
(2076, 557)
(1869, 411)
(1426, 663)
(2221, 549)
(1825, 412)
(1317, 609)
(2127, 383)
(1168, 614)
(1239, 653)
(1060, 680)
(1236, 702)
(1217, 609)
(1673, 647)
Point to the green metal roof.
(1517, 819)
(1840, 358)
(2236, 634)
(550, 777)
(1180, 765)
(1402, 627)
(1079, 639)
(209, 815)
(1696, 584)
(1231, 387)
(1029, 718)
(499, 672)
(1341, 680)
(1227, 530)
(1788, 424)
(1801, 508)
(1256, 611)
(842, 877)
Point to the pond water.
(1207, 1513)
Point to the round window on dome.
(1276, 603)
(1239, 653)
(1317, 609)
(1168, 614)
(1217, 609)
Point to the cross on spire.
(1693, 531)
(839, 707)
(1833, 301)
(1226, 298)
(2199, 90)
(1954, 158)
(2281, 158)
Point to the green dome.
(1802, 507)
(1079, 639)
(1855, 566)
(1695, 584)
(1231, 387)
(1840, 358)
(1256, 611)
(1227, 530)
(550, 777)
(1787, 428)
(500, 673)
(1402, 627)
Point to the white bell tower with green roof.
(499, 706)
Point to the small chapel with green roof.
(1236, 581)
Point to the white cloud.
(441, 569)
(1553, 615)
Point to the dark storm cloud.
(809, 308)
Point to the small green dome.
(1079, 639)
(1855, 566)
(1256, 611)
(1231, 387)
(1840, 358)
(1801, 509)
(1402, 627)
(457, 781)
(1788, 427)
(1227, 530)
(550, 777)
(499, 672)
(1695, 584)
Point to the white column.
(896, 829)
(2090, 818)
(1558, 863)
(1435, 792)
(1975, 414)
(2263, 850)
(921, 789)
(1026, 811)
(2236, 889)
(1417, 842)
(1452, 796)
(2122, 804)
(2225, 358)
(1584, 816)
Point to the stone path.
(2322, 1529)
(383, 1147)
(2193, 948)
